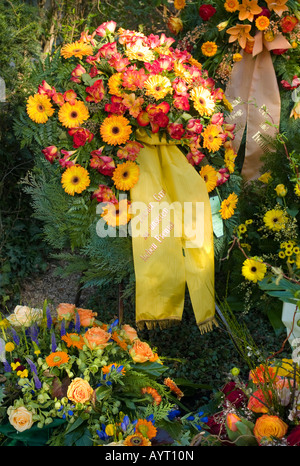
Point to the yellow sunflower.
(126, 175)
(158, 86)
(275, 219)
(254, 269)
(203, 101)
(211, 138)
(77, 49)
(139, 52)
(72, 116)
(75, 179)
(39, 108)
(210, 176)
(116, 214)
(136, 440)
(209, 49)
(115, 84)
(228, 206)
(115, 130)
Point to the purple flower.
(49, 318)
(63, 328)
(15, 337)
(53, 342)
(77, 323)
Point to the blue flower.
(173, 413)
(77, 323)
(63, 328)
(49, 318)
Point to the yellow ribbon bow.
(172, 237)
(253, 91)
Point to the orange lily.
(278, 6)
(248, 9)
(240, 32)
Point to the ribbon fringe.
(152, 324)
(204, 327)
(207, 326)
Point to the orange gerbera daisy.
(211, 138)
(77, 49)
(262, 22)
(136, 440)
(154, 394)
(146, 428)
(73, 339)
(57, 358)
(173, 387)
(228, 206)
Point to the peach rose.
(231, 420)
(257, 403)
(20, 418)
(79, 390)
(130, 332)
(24, 315)
(86, 317)
(65, 311)
(141, 352)
(268, 427)
(96, 338)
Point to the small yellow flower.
(269, 36)
(265, 177)
(222, 25)
(242, 228)
(110, 430)
(209, 49)
(281, 254)
(249, 221)
(237, 57)
(9, 347)
(23, 374)
(281, 190)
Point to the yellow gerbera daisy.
(203, 101)
(115, 84)
(275, 219)
(254, 269)
(116, 214)
(229, 159)
(231, 5)
(73, 116)
(39, 108)
(136, 440)
(228, 206)
(179, 4)
(210, 177)
(115, 130)
(77, 49)
(139, 52)
(158, 86)
(209, 49)
(126, 175)
(297, 189)
(211, 138)
(75, 179)
(182, 72)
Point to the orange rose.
(79, 390)
(130, 332)
(256, 402)
(20, 418)
(86, 317)
(96, 338)
(141, 352)
(268, 427)
(65, 311)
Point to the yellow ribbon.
(253, 91)
(168, 197)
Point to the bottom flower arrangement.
(72, 380)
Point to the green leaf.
(151, 368)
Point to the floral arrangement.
(120, 82)
(262, 411)
(87, 380)
(228, 27)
